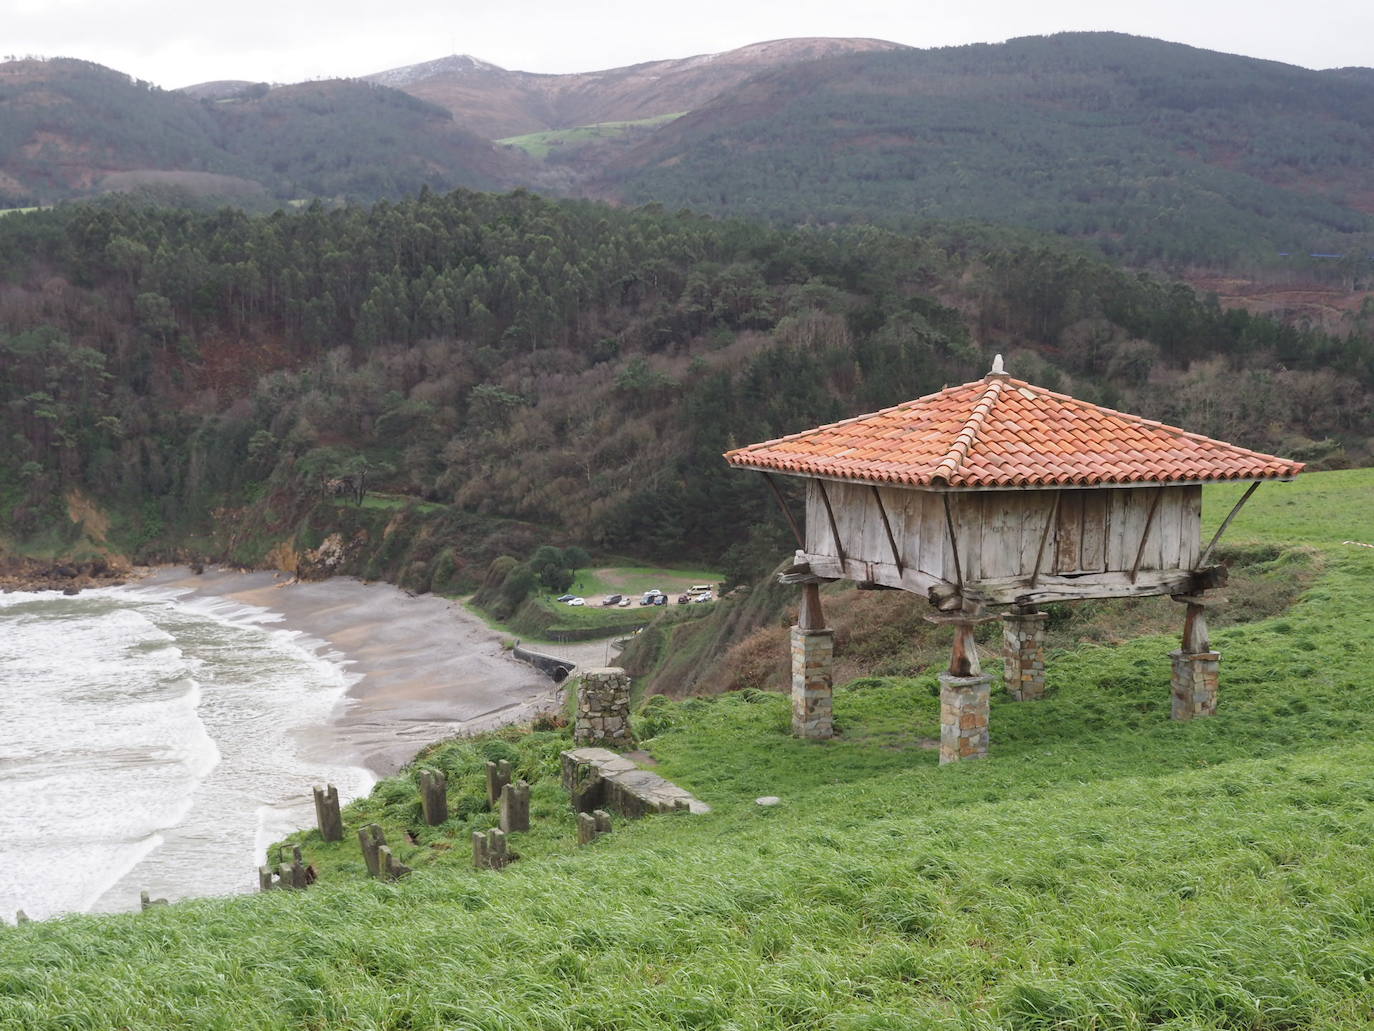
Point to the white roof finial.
(997, 369)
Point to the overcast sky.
(176, 43)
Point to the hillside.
(498, 103)
(1105, 868)
(1154, 151)
(70, 128)
(561, 364)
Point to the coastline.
(424, 668)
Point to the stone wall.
(1023, 654)
(812, 690)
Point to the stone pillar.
(964, 706)
(812, 685)
(1196, 666)
(603, 709)
(1023, 653)
(327, 817)
(433, 797)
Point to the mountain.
(1156, 151)
(498, 103)
(70, 128)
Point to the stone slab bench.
(597, 778)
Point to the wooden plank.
(1068, 534)
(817, 532)
(934, 546)
(952, 534)
(904, 506)
(1127, 523)
(1170, 529)
(830, 518)
(1190, 532)
(1001, 537)
(885, 573)
(1046, 532)
(887, 528)
(1112, 584)
(1147, 534)
(1093, 546)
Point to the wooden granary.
(1001, 493)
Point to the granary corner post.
(965, 692)
(1196, 666)
(813, 652)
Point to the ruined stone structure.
(433, 797)
(327, 815)
(603, 709)
(515, 807)
(1001, 493)
(597, 777)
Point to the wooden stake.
(887, 526)
(1201, 562)
(782, 504)
(830, 515)
(1145, 535)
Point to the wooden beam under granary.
(1001, 493)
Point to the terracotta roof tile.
(999, 432)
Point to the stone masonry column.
(964, 707)
(965, 692)
(1196, 667)
(1023, 653)
(603, 709)
(812, 691)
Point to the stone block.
(1195, 682)
(812, 683)
(603, 709)
(1023, 654)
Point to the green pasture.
(539, 144)
(1106, 867)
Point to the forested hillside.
(565, 363)
(69, 128)
(1155, 151)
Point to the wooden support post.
(498, 776)
(810, 616)
(327, 816)
(1196, 667)
(887, 528)
(371, 839)
(782, 504)
(1207, 553)
(433, 797)
(965, 692)
(515, 807)
(830, 516)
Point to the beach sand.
(427, 668)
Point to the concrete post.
(813, 654)
(515, 807)
(498, 776)
(489, 850)
(964, 706)
(1196, 668)
(433, 797)
(603, 709)
(1023, 653)
(370, 839)
(327, 817)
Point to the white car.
(578, 601)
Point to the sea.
(154, 741)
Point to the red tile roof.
(1002, 432)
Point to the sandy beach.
(427, 668)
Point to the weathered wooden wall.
(1094, 530)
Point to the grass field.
(595, 584)
(539, 144)
(1106, 868)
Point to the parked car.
(577, 601)
(660, 599)
(697, 599)
(564, 599)
(624, 603)
(612, 599)
(651, 597)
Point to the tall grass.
(1106, 868)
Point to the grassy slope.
(1107, 868)
(538, 144)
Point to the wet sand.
(427, 668)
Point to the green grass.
(539, 144)
(596, 583)
(1107, 868)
